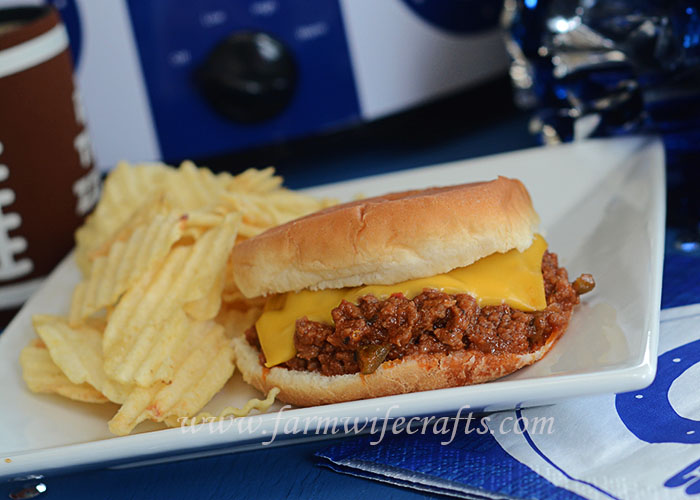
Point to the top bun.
(388, 239)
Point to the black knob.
(249, 77)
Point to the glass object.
(593, 68)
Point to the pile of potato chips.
(149, 325)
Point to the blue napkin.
(473, 466)
(483, 466)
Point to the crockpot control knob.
(248, 77)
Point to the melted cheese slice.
(513, 278)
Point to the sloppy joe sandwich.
(404, 292)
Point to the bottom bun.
(422, 372)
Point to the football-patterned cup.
(48, 182)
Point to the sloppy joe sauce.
(432, 322)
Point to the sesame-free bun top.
(388, 239)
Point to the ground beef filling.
(372, 331)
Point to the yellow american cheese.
(513, 278)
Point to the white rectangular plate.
(602, 205)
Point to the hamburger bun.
(388, 239)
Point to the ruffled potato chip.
(141, 327)
(203, 364)
(113, 274)
(124, 191)
(77, 352)
(42, 375)
(236, 320)
(259, 405)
